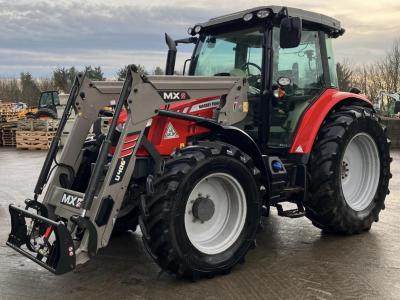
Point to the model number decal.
(72, 200)
(171, 96)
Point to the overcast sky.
(39, 35)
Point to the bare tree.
(383, 75)
(10, 90)
(45, 84)
(345, 76)
(158, 71)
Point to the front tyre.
(349, 171)
(204, 213)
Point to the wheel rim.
(215, 213)
(360, 171)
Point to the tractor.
(196, 161)
(50, 106)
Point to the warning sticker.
(299, 149)
(245, 106)
(170, 132)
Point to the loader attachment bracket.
(46, 242)
(86, 224)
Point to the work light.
(248, 17)
(197, 29)
(262, 14)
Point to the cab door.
(303, 65)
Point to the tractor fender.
(240, 139)
(315, 115)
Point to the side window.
(45, 99)
(301, 64)
(56, 98)
(331, 61)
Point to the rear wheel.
(349, 171)
(204, 213)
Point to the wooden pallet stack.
(35, 134)
(34, 140)
(8, 133)
(8, 112)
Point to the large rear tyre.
(349, 171)
(204, 213)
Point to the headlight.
(190, 30)
(248, 17)
(197, 29)
(262, 14)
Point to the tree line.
(382, 75)
(27, 89)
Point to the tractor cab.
(286, 56)
(49, 99)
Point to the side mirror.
(290, 34)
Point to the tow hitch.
(42, 240)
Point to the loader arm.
(89, 217)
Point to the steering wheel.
(247, 65)
(254, 80)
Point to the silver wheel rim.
(224, 227)
(360, 171)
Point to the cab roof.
(328, 23)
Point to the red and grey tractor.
(197, 160)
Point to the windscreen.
(229, 53)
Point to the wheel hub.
(203, 208)
(345, 169)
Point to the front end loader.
(197, 160)
(74, 221)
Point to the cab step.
(291, 213)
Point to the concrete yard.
(293, 260)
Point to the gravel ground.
(293, 259)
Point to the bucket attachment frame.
(60, 257)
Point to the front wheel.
(204, 213)
(349, 171)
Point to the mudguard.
(315, 115)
